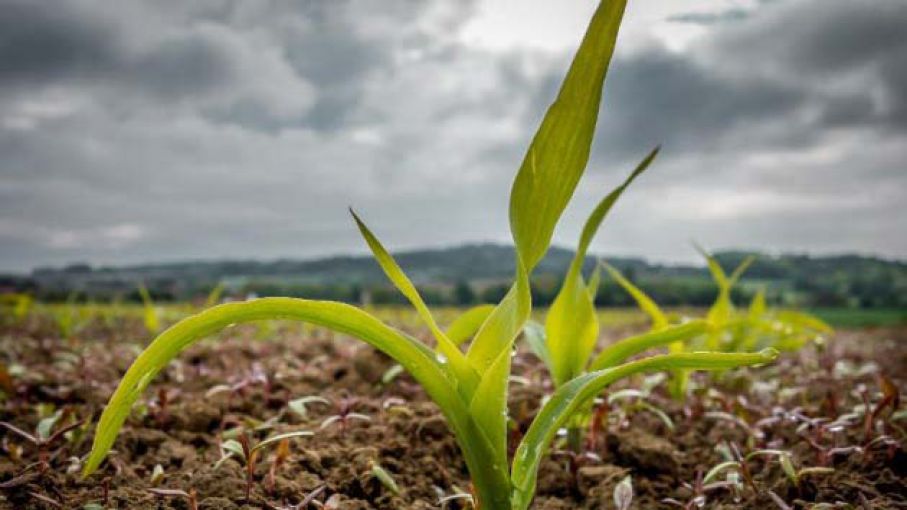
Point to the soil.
(247, 375)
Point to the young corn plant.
(16, 306)
(727, 329)
(662, 322)
(470, 387)
(567, 341)
(149, 311)
(758, 327)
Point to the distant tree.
(463, 294)
(493, 293)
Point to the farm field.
(163, 346)
(378, 442)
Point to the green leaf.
(571, 330)
(490, 353)
(594, 283)
(465, 326)
(385, 478)
(534, 334)
(152, 323)
(418, 359)
(645, 303)
(543, 186)
(804, 321)
(619, 351)
(570, 397)
(214, 296)
(571, 327)
(467, 376)
(558, 154)
(722, 310)
(740, 269)
(757, 305)
(503, 324)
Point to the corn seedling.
(149, 311)
(728, 330)
(470, 387)
(214, 296)
(66, 317)
(17, 306)
(568, 339)
(758, 327)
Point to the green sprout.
(248, 453)
(725, 329)
(149, 312)
(16, 306)
(383, 476)
(214, 297)
(470, 387)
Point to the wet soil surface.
(810, 404)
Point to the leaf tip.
(769, 353)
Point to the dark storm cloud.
(657, 97)
(767, 80)
(138, 131)
(40, 42)
(46, 44)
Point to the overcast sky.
(168, 130)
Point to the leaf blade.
(571, 327)
(559, 151)
(467, 376)
(413, 355)
(571, 396)
(467, 324)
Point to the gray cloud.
(43, 42)
(133, 132)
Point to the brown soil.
(407, 436)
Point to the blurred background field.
(845, 291)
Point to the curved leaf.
(645, 303)
(619, 351)
(468, 323)
(571, 396)
(418, 359)
(534, 334)
(467, 376)
(571, 327)
(558, 154)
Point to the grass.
(860, 317)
